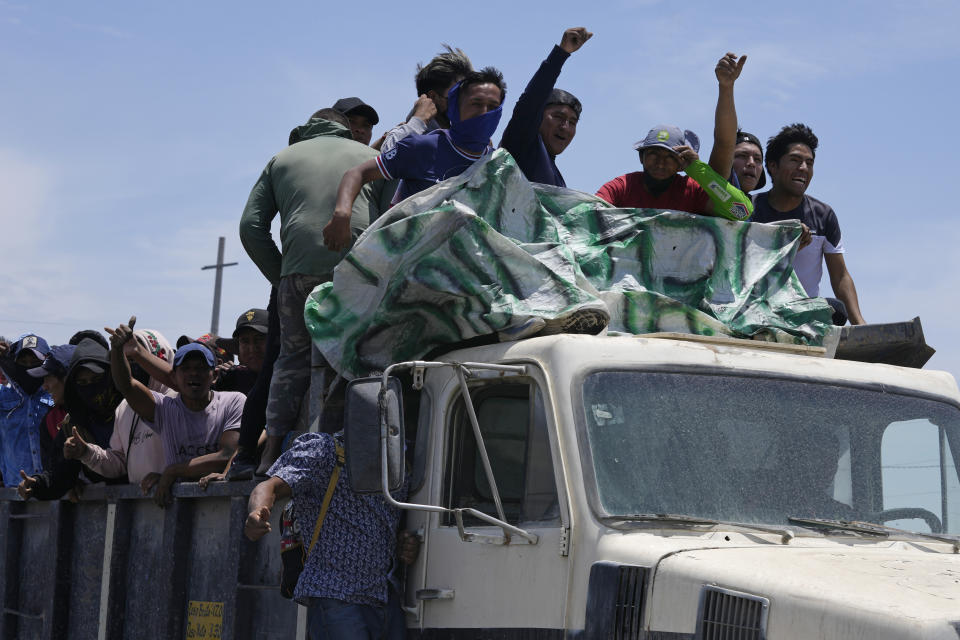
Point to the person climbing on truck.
(420, 161)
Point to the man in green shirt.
(300, 183)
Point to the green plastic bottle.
(730, 202)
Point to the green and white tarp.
(486, 251)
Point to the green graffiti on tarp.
(484, 252)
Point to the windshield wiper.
(675, 518)
(872, 528)
(842, 525)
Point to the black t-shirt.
(824, 226)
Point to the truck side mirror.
(362, 426)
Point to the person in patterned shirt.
(345, 578)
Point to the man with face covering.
(23, 407)
(135, 449)
(545, 119)
(474, 107)
(91, 400)
(53, 373)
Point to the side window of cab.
(514, 428)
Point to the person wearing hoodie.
(53, 372)
(135, 449)
(474, 107)
(300, 183)
(24, 405)
(91, 400)
(544, 120)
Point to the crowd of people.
(135, 409)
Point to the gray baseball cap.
(668, 137)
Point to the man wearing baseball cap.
(668, 149)
(199, 426)
(23, 407)
(362, 117)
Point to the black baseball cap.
(255, 319)
(346, 106)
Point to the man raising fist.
(545, 119)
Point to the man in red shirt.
(667, 150)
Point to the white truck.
(668, 487)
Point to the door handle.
(435, 594)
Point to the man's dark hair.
(332, 115)
(559, 96)
(485, 75)
(791, 134)
(441, 72)
(93, 334)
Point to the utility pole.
(215, 320)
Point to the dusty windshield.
(761, 451)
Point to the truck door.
(474, 587)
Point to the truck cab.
(578, 486)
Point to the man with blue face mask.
(420, 161)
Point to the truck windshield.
(762, 451)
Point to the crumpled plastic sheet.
(486, 251)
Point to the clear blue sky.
(130, 134)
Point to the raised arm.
(725, 119)
(137, 396)
(524, 123)
(157, 368)
(423, 112)
(336, 235)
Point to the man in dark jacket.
(91, 400)
(544, 119)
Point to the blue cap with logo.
(56, 363)
(187, 349)
(668, 137)
(33, 342)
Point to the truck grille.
(615, 599)
(628, 610)
(730, 614)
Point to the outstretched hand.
(122, 334)
(574, 38)
(257, 524)
(728, 68)
(74, 447)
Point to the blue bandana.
(473, 134)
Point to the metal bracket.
(435, 594)
(418, 377)
(564, 541)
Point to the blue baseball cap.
(668, 137)
(56, 363)
(187, 349)
(33, 342)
